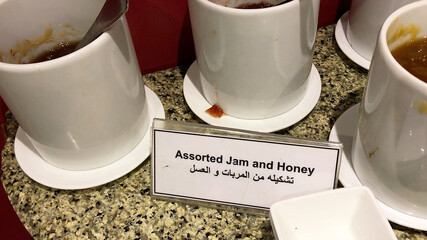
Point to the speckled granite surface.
(123, 209)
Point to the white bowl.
(347, 213)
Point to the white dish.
(346, 213)
(341, 37)
(44, 173)
(344, 131)
(198, 104)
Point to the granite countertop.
(124, 209)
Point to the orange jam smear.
(215, 111)
(412, 56)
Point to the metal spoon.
(110, 12)
(282, 2)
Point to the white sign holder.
(221, 167)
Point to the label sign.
(244, 172)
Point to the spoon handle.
(110, 12)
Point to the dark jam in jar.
(254, 5)
(215, 111)
(58, 51)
